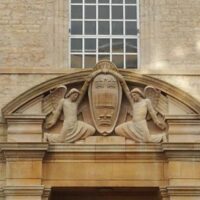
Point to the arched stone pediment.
(177, 108)
(79, 76)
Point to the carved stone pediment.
(105, 106)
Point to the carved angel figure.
(72, 129)
(137, 128)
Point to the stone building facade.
(34, 59)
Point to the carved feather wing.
(158, 100)
(50, 101)
(153, 94)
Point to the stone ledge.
(23, 190)
(177, 151)
(183, 191)
(26, 146)
(30, 151)
(59, 71)
(148, 147)
(26, 117)
(181, 118)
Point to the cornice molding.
(148, 147)
(32, 151)
(182, 151)
(164, 151)
(183, 191)
(23, 190)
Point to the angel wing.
(50, 101)
(158, 100)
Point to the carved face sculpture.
(73, 97)
(136, 96)
(105, 99)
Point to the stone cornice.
(59, 71)
(164, 151)
(23, 190)
(183, 191)
(183, 117)
(24, 150)
(148, 147)
(182, 151)
(25, 117)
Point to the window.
(103, 29)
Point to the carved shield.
(105, 96)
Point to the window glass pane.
(90, 45)
(90, 12)
(90, 27)
(104, 12)
(76, 12)
(131, 12)
(118, 60)
(76, 61)
(90, 60)
(117, 45)
(117, 28)
(131, 61)
(131, 45)
(76, 27)
(117, 1)
(104, 57)
(76, 1)
(104, 28)
(130, 1)
(117, 12)
(131, 28)
(104, 1)
(76, 45)
(90, 1)
(93, 31)
(104, 45)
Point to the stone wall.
(33, 33)
(170, 36)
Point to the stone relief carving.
(137, 129)
(104, 85)
(73, 129)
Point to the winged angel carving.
(142, 103)
(68, 103)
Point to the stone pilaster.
(23, 170)
(24, 128)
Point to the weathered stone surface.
(30, 33)
(169, 34)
